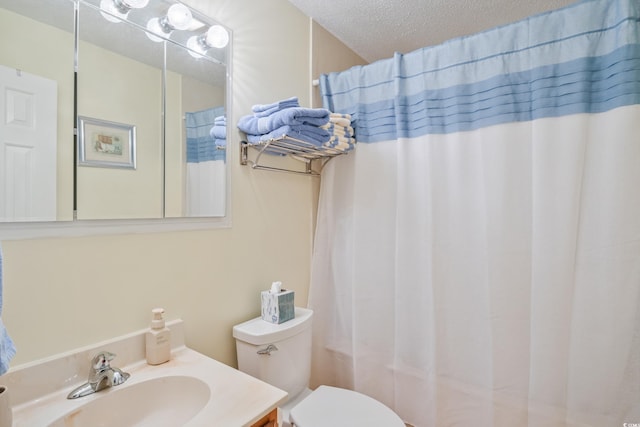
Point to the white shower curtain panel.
(206, 166)
(477, 258)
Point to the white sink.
(191, 390)
(166, 401)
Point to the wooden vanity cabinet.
(269, 420)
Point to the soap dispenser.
(158, 339)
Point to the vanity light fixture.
(178, 17)
(216, 36)
(111, 10)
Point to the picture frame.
(106, 144)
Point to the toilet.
(280, 354)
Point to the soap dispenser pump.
(158, 339)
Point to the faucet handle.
(102, 361)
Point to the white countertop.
(236, 399)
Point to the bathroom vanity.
(269, 420)
(189, 390)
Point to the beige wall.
(63, 293)
(134, 100)
(329, 54)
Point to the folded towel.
(346, 131)
(340, 142)
(263, 110)
(7, 349)
(307, 133)
(218, 132)
(340, 119)
(289, 116)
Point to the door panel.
(28, 146)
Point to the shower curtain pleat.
(477, 257)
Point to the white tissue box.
(277, 307)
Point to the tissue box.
(277, 307)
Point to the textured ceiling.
(375, 29)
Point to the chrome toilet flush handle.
(268, 350)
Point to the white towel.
(7, 349)
(340, 119)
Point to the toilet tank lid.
(259, 332)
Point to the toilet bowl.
(280, 354)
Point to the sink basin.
(164, 401)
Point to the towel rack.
(293, 147)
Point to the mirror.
(146, 111)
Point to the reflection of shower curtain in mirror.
(206, 172)
(477, 257)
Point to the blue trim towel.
(7, 349)
(293, 116)
(342, 134)
(310, 126)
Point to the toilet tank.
(288, 367)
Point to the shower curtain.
(206, 171)
(477, 257)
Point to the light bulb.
(108, 9)
(196, 49)
(153, 27)
(136, 4)
(217, 36)
(179, 16)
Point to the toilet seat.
(336, 407)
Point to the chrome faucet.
(101, 376)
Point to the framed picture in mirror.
(106, 144)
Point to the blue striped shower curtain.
(206, 166)
(477, 257)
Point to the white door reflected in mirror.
(28, 107)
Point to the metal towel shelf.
(288, 146)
